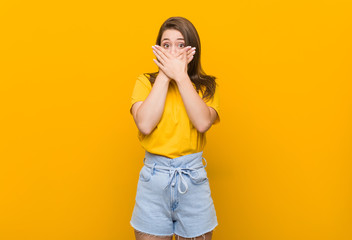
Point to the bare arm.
(175, 66)
(147, 113)
(201, 115)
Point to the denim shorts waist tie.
(174, 172)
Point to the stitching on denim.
(151, 235)
(195, 238)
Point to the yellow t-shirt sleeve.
(141, 90)
(214, 102)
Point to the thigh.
(151, 213)
(195, 213)
(145, 236)
(206, 236)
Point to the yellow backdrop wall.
(279, 163)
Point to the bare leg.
(145, 236)
(206, 236)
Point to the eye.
(182, 44)
(165, 44)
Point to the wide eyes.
(166, 45)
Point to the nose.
(173, 50)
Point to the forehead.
(172, 35)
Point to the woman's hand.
(173, 66)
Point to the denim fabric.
(173, 197)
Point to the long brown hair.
(195, 71)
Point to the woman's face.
(172, 41)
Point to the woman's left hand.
(175, 67)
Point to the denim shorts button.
(173, 184)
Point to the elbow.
(204, 128)
(144, 130)
(206, 125)
(142, 126)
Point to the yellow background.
(279, 163)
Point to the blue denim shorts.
(173, 197)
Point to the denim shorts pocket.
(199, 176)
(145, 174)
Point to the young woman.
(173, 108)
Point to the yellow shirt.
(174, 135)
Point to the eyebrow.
(176, 39)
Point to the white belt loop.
(205, 161)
